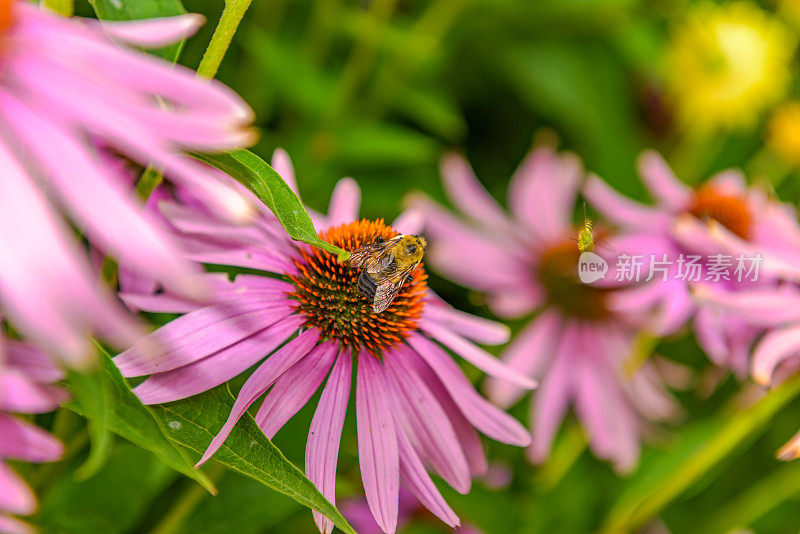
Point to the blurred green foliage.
(380, 90)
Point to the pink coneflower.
(66, 86)
(26, 377)
(577, 343)
(306, 320)
(410, 510)
(720, 218)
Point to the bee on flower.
(306, 324)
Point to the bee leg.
(409, 279)
(366, 285)
(378, 239)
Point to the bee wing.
(360, 257)
(386, 293)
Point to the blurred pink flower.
(414, 406)
(26, 377)
(722, 216)
(577, 344)
(410, 510)
(66, 85)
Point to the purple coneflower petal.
(486, 417)
(774, 347)
(377, 443)
(411, 221)
(761, 307)
(263, 377)
(470, 326)
(475, 355)
(115, 222)
(528, 355)
(467, 436)
(159, 303)
(551, 401)
(282, 164)
(513, 302)
(420, 484)
(710, 335)
(18, 394)
(31, 361)
(466, 192)
(425, 423)
(620, 209)
(345, 202)
(542, 192)
(198, 334)
(293, 389)
(10, 525)
(216, 368)
(15, 496)
(23, 441)
(155, 32)
(662, 183)
(322, 448)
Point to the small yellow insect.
(386, 266)
(586, 239)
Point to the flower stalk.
(228, 23)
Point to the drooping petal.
(425, 423)
(15, 496)
(470, 326)
(467, 435)
(23, 441)
(31, 361)
(486, 417)
(155, 32)
(662, 183)
(18, 394)
(378, 455)
(477, 356)
(619, 209)
(293, 389)
(217, 368)
(198, 334)
(528, 355)
(263, 377)
(552, 400)
(774, 348)
(114, 221)
(420, 484)
(466, 192)
(322, 447)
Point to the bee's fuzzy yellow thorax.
(327, 292)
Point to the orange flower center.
(558, 274)
(327, 293)
(6, 18)
(728, 210)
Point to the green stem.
(64, 8)
(221, 40)
(175, 517)
(741, 426)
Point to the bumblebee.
(386, 266)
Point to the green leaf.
(120, 411)
(657, 485)
(255, 174)
(143, 9)
(192, 423)
(113, 501)
(89, 389)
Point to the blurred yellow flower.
(726, 64)
(783, 136)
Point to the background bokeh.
(379, 90)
